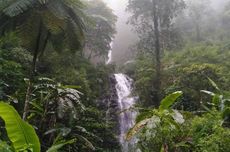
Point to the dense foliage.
(167, 129)
(48, 77)
(55, 83)
(196, 61)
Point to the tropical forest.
(114, 75)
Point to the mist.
(126, 37)
(218, 4)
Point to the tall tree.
(226, 20)
(198, 9)
(100, 32)
(153, 20)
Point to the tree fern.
(16, 7)
(57, 17)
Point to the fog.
(125, 36)
(218, 3)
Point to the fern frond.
(17, 7)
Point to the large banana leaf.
(21, 134)
(169, 100)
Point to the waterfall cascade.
(125, 101)
(126, 117)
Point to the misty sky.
(124, 37)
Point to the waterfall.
(125, 100)
(127, 116)
(110, 53)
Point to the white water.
(110, 53)
(127, 116)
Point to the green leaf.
(87, 143)
(38, 107)
(57, 146)
(71, 87)
(214, 84)
(132, 132)
(206, 108)
(162, 148)
(208, 92)
(182, 144)
(21, 134)
(226, 112)
(144, 115)
(4, 147)
(216, 99)
(169, 100)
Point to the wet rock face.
(112, 106)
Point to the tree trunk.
(32, 72)
(198, 35)
(157, 83)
